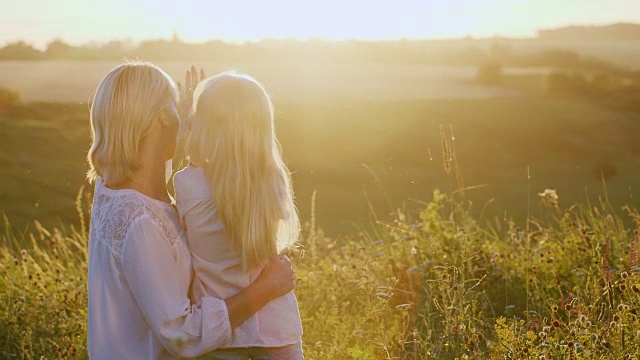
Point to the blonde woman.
(139, 263)
(236, 202)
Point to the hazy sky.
(79, 21)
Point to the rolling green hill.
(377, 152)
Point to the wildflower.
(549, 198)
(624, 275)
(616, 317)
(635, 288)
(556, 324)
(554, 308)
(613, 324)
(623, 287)
(587, 324)
(568, 307)
(582, 318)
(573, 333)
(620, 307)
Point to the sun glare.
(79, 21)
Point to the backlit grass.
(432, 284)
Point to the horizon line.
(176, 37)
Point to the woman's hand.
(277, 277)
(275, 280)
(191, 80)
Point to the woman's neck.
(150, 179)
(150, 182)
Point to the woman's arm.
(160, 284)
(275, 280)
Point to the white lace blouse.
(218, 271)
(139, 277)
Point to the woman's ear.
(169, 117)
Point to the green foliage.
(43, 295)
(432, 285)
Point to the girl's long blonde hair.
(232, 137)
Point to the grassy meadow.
(425, 236)
(435, 284)
(363, 155)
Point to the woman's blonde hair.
(232, 137)
(125, 105)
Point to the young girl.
(236, 203)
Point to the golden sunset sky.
(80, 21)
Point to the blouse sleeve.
(160, 291)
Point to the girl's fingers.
(187, 82)
(202, 75)
(194, 77)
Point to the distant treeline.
(613, 32)
(271, 50)
(217, 50)
(466, 51)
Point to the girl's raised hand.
(191, 81)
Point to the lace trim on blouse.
(115, 211)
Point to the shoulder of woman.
(121, 217)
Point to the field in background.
(75, 81)
(356, 153)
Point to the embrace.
(202, 275)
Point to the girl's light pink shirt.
(221, 276)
